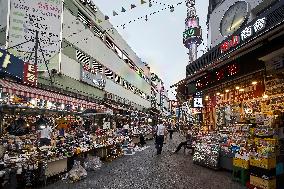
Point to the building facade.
(83, 53)
(227, 16)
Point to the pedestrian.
(170, 130)
(161, 132)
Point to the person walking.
(170, 130)
(161, 132)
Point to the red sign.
(30, 74)
(230, 43)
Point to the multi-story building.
(82, 52)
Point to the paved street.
(147, 170)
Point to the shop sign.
(30, 74)
(94, 79)
(230, 44)
(246, 33)
(250, 92)
(11, 65)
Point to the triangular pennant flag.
(123, 9)
(114, 13)
(142, 2)
(106, 17)
(132, 6)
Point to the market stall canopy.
(32, 92)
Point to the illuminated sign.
(192, 23)
(230, 43)
(191, 32)
(246, 33)
(30, 74)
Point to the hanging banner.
(11, 65)
(28, 16)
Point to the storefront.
(240, 83)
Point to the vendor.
(45, 135)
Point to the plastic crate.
(260, 172)
(240, 175)
(263, 183)
(265, 163)
(237, 162)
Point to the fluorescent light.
(254, 82)
(242, 90)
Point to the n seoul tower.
(192, 36)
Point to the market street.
(147, 170)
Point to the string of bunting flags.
(132, 6)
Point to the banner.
(11, 65)
(28, 16)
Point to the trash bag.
(92, 163)
(77, 172)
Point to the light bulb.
(254, 82)
(265, 96)
(242, 90)
(221, 95)
(218, 93)
(237, 88)
(227, 90)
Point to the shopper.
(187, 142)
(170, 130)
(125, 128)
(161, 132)
(45, 135)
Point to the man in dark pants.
(161, 132)
(170, 130)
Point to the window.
(84, 19)
(109, 73)
(118, 51)
(109, 43)
(125, 58)
(98, 32)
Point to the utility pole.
(36, 46)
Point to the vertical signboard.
(28, 16)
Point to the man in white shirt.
(161, 132)
(45, 136)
